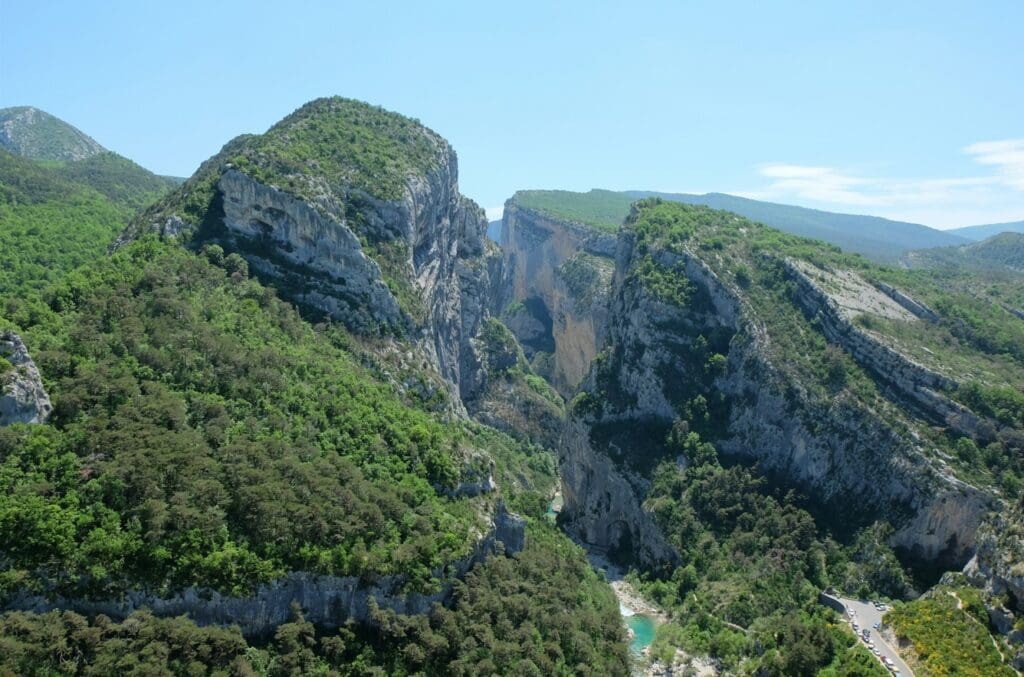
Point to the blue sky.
(912, 110)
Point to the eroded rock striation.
(23, 398)
(411, 260)
(918, 385)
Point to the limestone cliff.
(998, 569)
(22, 396)
(382, 243)
(674, 308)
(918, 385)
(556, 280)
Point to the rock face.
(318, 259)
(321, 258)
(838, 451)
(603, 502)
(998, 569)
(22, 396)
(328, 601)
(536, 249)
(509, 396)
(914, 307)
(415, 265)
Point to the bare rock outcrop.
(416, 265)
(918, 385)
(23, 398)
(998, 569)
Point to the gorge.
(305, 393)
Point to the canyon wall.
(855, 464)
(548, 307)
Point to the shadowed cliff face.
(556, 280)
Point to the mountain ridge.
(984, 231)
(1004, 250)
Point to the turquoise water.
(643, 632)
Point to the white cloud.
(822, 184)
(939, 202)
(495, 213)
(1007, 156)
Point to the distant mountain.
(874, 237)
(63, 199)
(35, 134)
(1005, 250)
(979, 233)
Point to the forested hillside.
(211, 443)
(56, 216)
(1001, 252)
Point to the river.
(640, 617)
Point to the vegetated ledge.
(327, 601)
(909, 379)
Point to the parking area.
(865, 617)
